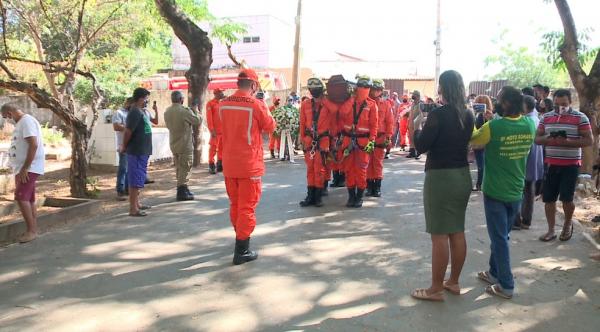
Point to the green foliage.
(53, 137)
(553, 42)
(522, 68)
(92, 187)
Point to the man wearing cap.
(382, 142)
(274, 141)
(180, 121)
(214, 126)
(243, 120)
(314, 133)
(414, 113)
(358, 122)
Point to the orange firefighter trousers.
(216, 148)
(244, 195)
(356, 169)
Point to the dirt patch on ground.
(55, 183)
(587, 209)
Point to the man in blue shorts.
(137, 143)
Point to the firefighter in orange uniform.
(274, 141)
(214, 126)
(334, 164)
(244, 119)
(404, 114)
(382, 142)
(314, 133)
(358, 122)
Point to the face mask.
(562, 109)
(316, 93)
(385, 97)
(362, 93)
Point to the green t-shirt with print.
(510, 140)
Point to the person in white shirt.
(119, 120)
(27, 156)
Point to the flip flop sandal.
(421, 294)
(453, 289)
(138, 214)
(566, 236)
(497, 291)
(486, 276)
(145, 207)
(545, 238)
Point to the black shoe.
(220, 166)
(183, 195)
(336, 179)
(377, 188)
(272, 154)
(190, 195)
(325, 191)
(358, 201)
(417, 156)
(212, 169)
(370, 184)
(351, 197)
(387, 155)
(318, 193)
(148, 181)
(310, 197)
(242, 253)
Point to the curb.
(73, 210)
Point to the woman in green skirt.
(445, 137)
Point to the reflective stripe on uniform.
(250, 110)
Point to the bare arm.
(118, 127)
(31, 150)
(126, 139)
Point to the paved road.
(328, 269)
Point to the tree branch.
(43, 100)
(569, 48)
(595, 71)
(242, 64)
(7, 71)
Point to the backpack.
(338, 89)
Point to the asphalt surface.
(320, 269)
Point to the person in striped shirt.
(563, 131)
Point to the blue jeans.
(499, 217)
(122, 174)
(479, 158)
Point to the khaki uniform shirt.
(179, 120)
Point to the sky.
(400, 31)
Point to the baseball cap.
(248, 74)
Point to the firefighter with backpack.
(358, 123)
(382, 142)
(314, 133)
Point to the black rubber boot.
(189, 195)
(370, 184)
(336, 179)
(272, 154)
(377, 188)
(387, 155)
(220, 166)
(358, 201)
(342, 179)
(318, 194)
(242, 253)
(310, 197)
(212, 169)
(351, 197)
(411, 153)
(325, 191)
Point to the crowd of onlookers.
(520, 153)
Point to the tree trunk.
(78, 174)
(200, 49)
(79, 134)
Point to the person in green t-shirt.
(507, 142)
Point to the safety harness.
(353, 134)
(313, 131)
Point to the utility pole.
(438, 49)
(296, 68)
